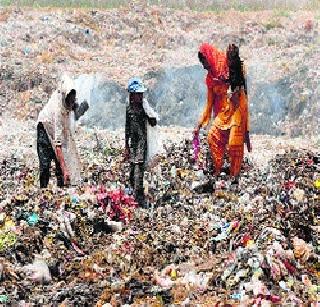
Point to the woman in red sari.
(230, 128)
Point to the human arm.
(58, 120)
(152, 121)
(244, 73)
(247, 114)
(58, 137)
(247, 141)
(152, 116)
(79, 110)
(239, 102)
(247, 127)
(127, 134)
(206, 115)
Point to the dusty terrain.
(280, 49)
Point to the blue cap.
(135, 85)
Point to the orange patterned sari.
(231, 115)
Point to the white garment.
(155, 145)
(38, 271)
(49, 118)
(60, 126)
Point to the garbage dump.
(253, 243)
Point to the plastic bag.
(154, 142)
(155, 145)
(196, 146)
(38, 271)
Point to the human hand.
(80, 110)
(58, 149)
(85, 106)
(152, 121)
(196, 129)
(66, 178)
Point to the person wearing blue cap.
(138, 116)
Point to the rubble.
(255, 242)
(202, 240)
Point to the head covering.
(135, 85)
(218, 64)
(66, 84)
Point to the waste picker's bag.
(154, 141)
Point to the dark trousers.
(46, 154)
(136, 181)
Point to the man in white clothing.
(55, 135)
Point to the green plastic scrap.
(33, 219)
(7, 239)
(3, 298)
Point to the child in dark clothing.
(138, 116)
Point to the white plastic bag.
(155, 146)
(38, 271)
(154, 142)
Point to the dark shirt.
(136, 133)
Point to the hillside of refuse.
(280, 50)
(201, 240)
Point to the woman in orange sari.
(227, 99)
